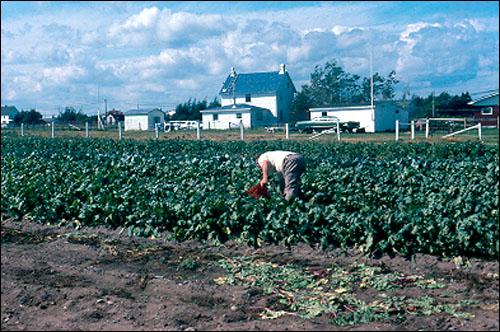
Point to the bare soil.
(57, 278)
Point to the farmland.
(364, 202)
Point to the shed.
(229, 116)
(8, 115)
(143, 119)
(382, 117)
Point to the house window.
(216, 117)
(238, 115)
(248, 98)
(487, 111)
(324, 113)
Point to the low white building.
(143, 119)
(230, 116)
(272, 91)
(382, 117)
(8, 115)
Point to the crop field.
(388, 236)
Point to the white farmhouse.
(143, 119)
(256, 99)
(382, 117)
(8, 115)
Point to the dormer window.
(248, 97)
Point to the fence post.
(426, 128)
(497, 123)
(22, 129)
(287, 136)
(198, 131)
(397, 130)
(338, 131)
(241, 131)
(53, 129)
(479, 131)
(157, 131)
(412, 129)
(465, 123)
(86, 129)
(119, 130)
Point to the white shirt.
(275, 160)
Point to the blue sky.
(57, 54)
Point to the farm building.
(229, 116)
(113, 116)
(485, 109)
(261, 99)
(382, 117)
(143, 119)
(8, 115)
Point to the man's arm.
(265, 176)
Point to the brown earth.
(57, 278)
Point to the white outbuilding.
(230, 116)
(382, 117)
(143, 119)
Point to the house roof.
(490, 99)
(141, 111)
(254, 83)
(237, 108)
(11, 111)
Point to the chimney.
(282, 68)
(233, 72)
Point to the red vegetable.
(258, 191)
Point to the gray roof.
(11, 111)
(231, 109)
(254, 83)
(141, 111)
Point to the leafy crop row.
(432, 198)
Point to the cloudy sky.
(159, 54)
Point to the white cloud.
(159, 54)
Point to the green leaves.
(388, 198)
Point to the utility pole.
(433, 110)
(371, 82)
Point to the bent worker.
(288, 166)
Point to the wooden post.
(53, 129)
(241, 131)
(22, 129)
(426, 128)
(338, 131)
(157, 134)
(397, 130)
(86, 129)
(479, 131)
(465, 123)
(286, 131)
(198, 131)
(119, 130)
(497, 123)
(412, 129)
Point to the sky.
(161, 53)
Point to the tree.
(28, 117)
(301, 103)
(388, 86)
(330, 85)
(71, 115)
(190, 110)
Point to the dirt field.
(96, 279)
